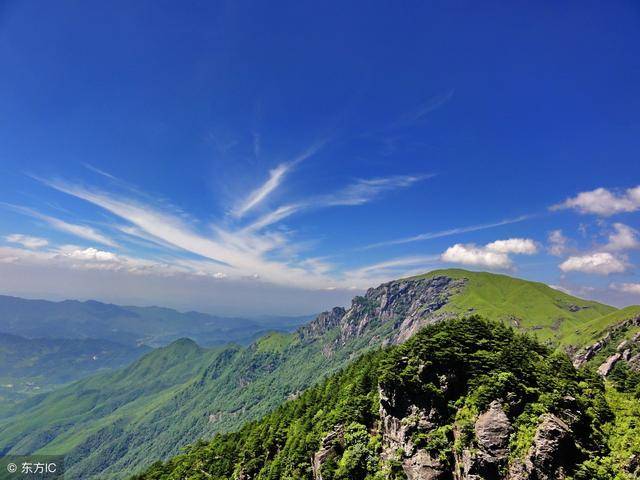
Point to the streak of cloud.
(447, 233)
(81, 231)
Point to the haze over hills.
(46, 344)
(29, 366)
(135, 418)
(128, 325)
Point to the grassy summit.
(529, 306)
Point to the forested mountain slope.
(466, 399)
(229, 386)
(30, 366)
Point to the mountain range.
(114, 424)
(128, 325)
(45, 344)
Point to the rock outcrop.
(404, 306)
(581, 357)
(553, 448)
(322, 323)
(331, 446)
(400, 419)
(490, 452)
(608, 364)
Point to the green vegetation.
(592, 330)
(120, 422)
(481, 361)
(153, 326)
(29, 366)
(528, 306)
(623, 432)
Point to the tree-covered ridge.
(420, 401)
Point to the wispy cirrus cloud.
(242, 252)
(388, 269)
(236, 253)
(81, 231)
(423, 109)
(447, 233)
(360, 192)
(365, 190)
(88, 166)
(276, 177)
(27, 240)
(257, 196)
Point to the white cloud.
(276, 176)
(632, 288)
(561, 288)
(92, 254)
(275, 216)
(364, 190)
(557, 243)
(603, 202)
(447, 233)
(492, 255)
(358, 193)
(478, 256)
(93, 259)
(237, 253)
(81, 231)
(623, 238)
(601, 263)
(521, 246)
(27, 241)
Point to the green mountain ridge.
(118, 433)
(128, 325)
(466, 398)
(28, 366)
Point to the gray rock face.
(423, 466)
(399, 420)
(492, 431)
(583, 356)
(552, 438)
(634, 362)
(330, 446)
(589, 352)
(407, 304)
(553, 446)
(404, 306)
(491, 449)
(609, 363)
(323, 322)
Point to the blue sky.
(279, 157)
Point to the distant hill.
(153, 326)
(113, 424)
(29, 366)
